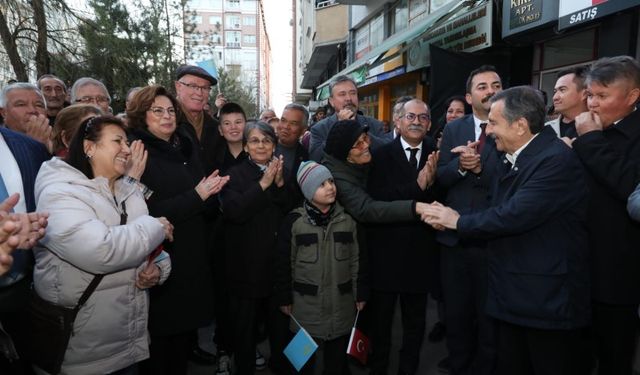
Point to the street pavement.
(430, 354)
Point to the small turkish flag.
(358, 346)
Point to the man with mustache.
(55, 94)
(290, 127)
(344, 100)
(404, 257)
(569, 100)
(466, 174)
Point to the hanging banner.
(468, 32)
(575, 12)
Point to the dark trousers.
(335, 357)
(413, 310)
(532, 351)
(615, 330)
(169, 355)
(471, 334)
(244, 315)
(13, 301)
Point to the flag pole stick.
(295, 321)
(357, 315)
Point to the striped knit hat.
(310, 176)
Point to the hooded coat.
(84, 238)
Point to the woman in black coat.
(253, 204)
(183, 195)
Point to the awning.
(320, 58)
(375, 56)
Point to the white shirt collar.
(513, 157)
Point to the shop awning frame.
(408, 37)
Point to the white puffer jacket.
(84, 237)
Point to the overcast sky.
(277, 17)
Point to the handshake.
(438, 216)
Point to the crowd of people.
(157, 222)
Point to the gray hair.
(45, 76)
(87, 81)
(607, 70)
(340, 79)
(301, 108)
(402, 111)
(398, 108)
(19, 86)
(261, 126)
(522, 102)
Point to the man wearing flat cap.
(193, 85)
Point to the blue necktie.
(19, 256)
(4, 194)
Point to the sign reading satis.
(575, 12)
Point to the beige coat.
(84, 237)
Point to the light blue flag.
(210, 67)
(301, 348)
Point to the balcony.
(352, 2)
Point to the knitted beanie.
(310, 176)
(342, 136)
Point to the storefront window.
(569, 50)
(554, 55)
(369, 105)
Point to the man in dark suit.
(21, 159)
(466, 177)
(538, 288)
(344, 100)
(608, 145)
(403, 255)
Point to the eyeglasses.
(256, 141)
(159, 111)
(362, 143)
(93, 99)
(193, 87)
(421, 117)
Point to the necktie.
(4, 194)
(482, 138)
(412, 158)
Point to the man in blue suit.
(538, 289)
(21, 159)
(466, 178)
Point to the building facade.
(414, 47)
(233, 34)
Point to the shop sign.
(576, 12)
(469, 32)
(384, 76)
(523, 12)
(523, 15)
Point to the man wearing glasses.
(466, 177)
(403, 169)
(193, 85)
(88, 90)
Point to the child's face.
(325, 194)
